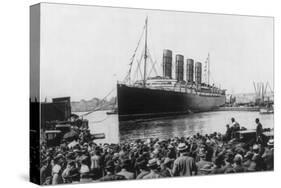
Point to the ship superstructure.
(164, 95)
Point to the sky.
(85, 50)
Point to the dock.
(239, 108)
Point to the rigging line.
(270, 88)
(153, 68)
(134, 54)
(153, 63)
(99, 108)
(96, 109)
(265, 89)
(255, 87)
(209, 67)
(152, 49)
(145, 53)
(150, 72)
(138, 68)
(99, 121)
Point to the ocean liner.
(162, 96)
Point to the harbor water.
(203, 123)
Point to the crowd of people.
(82, 160)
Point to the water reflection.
(187, 125)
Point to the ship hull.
(142, 103)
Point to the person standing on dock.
(235, 127)
(259, 131)
(228, 133)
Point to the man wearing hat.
(235, 127)
(166, 167)
(268, 155)
(46, 172)
(202, 163)
(228, 133)
(184, 165)
(218, 165)
(84, 169)
(257, 159)
(172, 153)
(57, 170)
(96, 163)
(153, 166)
(259, 131)
(125, 170)
(110, 173)
(67, 172)
(247, 159)
(141, 165)
(238, 166)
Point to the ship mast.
(208, 69)
(145, 54)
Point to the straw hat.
(249, 155)
(152, 163)
(170, 146)
(141, 162)
(255, 147)
(238, 158)
(115, 156)
(182, 147)
(270, 142)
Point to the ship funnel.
(189, 70)
(179, 67)
(198, 72)
(167, 63)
